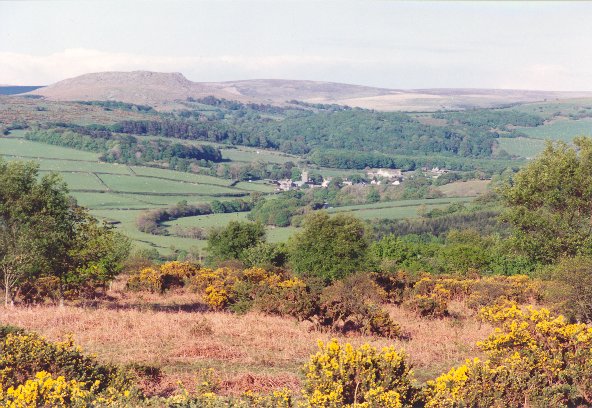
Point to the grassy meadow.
(396, 209)
(522, 146)
(119, 193)
(561, 129)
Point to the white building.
(384, 173)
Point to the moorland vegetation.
(524, 272)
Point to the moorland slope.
(155, 88)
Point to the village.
(381, 176)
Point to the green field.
(120, 193)
(563, 129)
(549, 109)
(79, 181)
(274, 234)
(177, 175)
(110, 201)
(22, 148)
(152, 185)
(260, 186)
(396, 209)
(208, 221)
(245, 154)
(164, 244)
(522, 146)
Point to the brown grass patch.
(260, 383)
(249, 351)
(208, 351)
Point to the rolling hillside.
(162, 89)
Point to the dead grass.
(253, 351)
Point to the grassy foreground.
(178, 334)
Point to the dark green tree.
(373, 196)
(571, 289)
(230, 242)
(549, 203)
(329, 247)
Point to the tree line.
(128, 149)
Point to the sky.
(391, 44)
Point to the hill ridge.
(165, 89)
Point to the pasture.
(396, 209)
(563, 129)
(274, 234)
(119, 193)
(470, 188)
(550, 109)
(522, 146)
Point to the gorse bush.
(25, 354)
(344, 376)
(234, 288)
(37, 373)
(161, 278)
(429, 295)
(353, 304)
(292, 297)
(533, 360)
(46, 391)
(348, 305)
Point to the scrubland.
(177, 333)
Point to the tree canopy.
(231, 241)
(549, 203)
(44, 234)
(329, 247)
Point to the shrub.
(493, 289)
(571, 288)
(291, 297)
(430, 298)
(395, 286)
(238, 290)
(24, 354)
(167, 276)
(45, 391)
(351, 304)
(343, 376)
(40, 289)
(276, 399)
(433, 306)
(534, 359)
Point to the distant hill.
(162, 89)
(16, 89)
